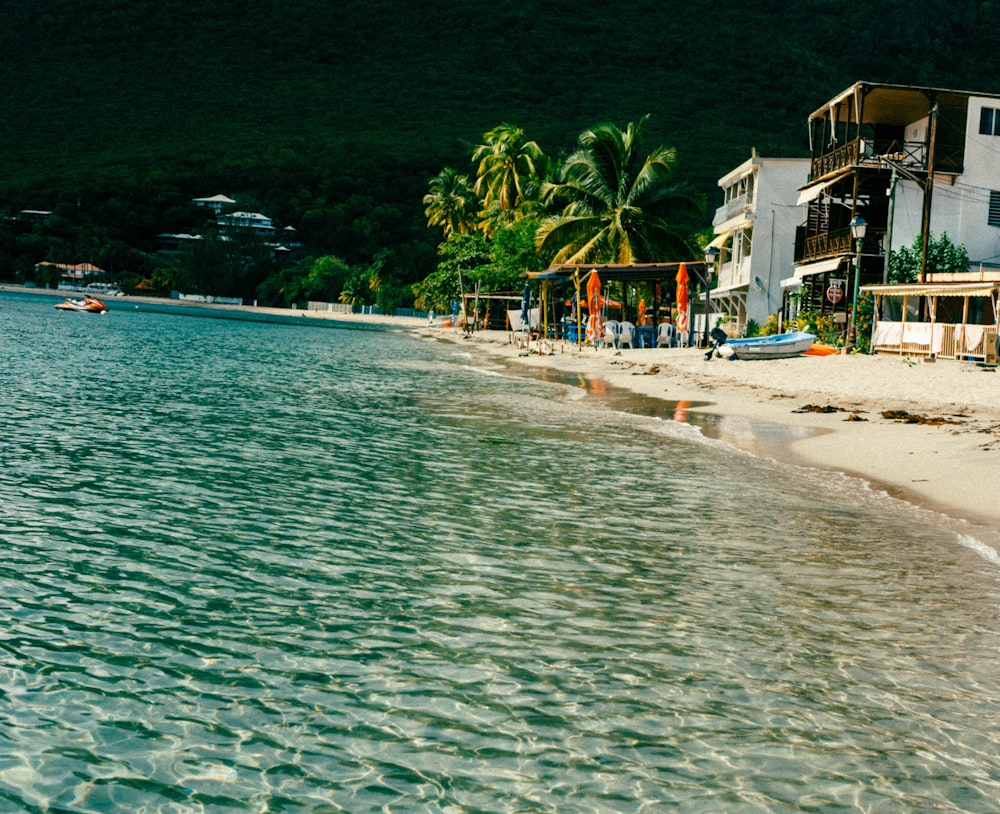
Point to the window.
(993, 218)
(989, 121)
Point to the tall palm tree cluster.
(607, 202)
(509, 169)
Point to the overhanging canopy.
(739, 287)
(639, 272)
(812, 192)
(941, 290)
(817, 268)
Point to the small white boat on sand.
(779, 346)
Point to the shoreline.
(757, 406)
(117, 303)
(948, 463)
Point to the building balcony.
(741, 205)
(837, 242)
(733, 275)
(861, 152)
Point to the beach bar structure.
(951, 321)
(907, 162)
(570, 281)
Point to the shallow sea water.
(274, 566)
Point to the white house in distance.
(216, 202)
(252, 221)
(755, 236)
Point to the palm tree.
(506, 162)
(451, 203)
(620, 207)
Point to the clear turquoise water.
(257, 566)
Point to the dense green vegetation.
(335, 118)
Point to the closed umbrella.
(525, 307)
(682, 302)
(595, 326)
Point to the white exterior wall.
(775, 215)
(972, 190)
(959, 204)
(907, 214)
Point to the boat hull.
(89, 305)
(780, 346)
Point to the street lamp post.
(858, 228)
(711, 253)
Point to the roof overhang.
(720, 240)
(893, 104)
(810, 193)
(739, 221)
(818, 267)
(942, 290)
(887, 104)
(742, 288)
(651, 272)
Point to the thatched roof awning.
(940, 290)
(608, 272)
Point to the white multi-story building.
(755, 236)
(904, 162)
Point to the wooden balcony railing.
(909, 156)
(836, 242)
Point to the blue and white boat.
(779, 346)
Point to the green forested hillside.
(333, 116)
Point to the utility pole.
(925, 222)
(888, 224)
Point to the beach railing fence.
(970, 342)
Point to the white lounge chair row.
(623, 334)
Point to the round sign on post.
(834, 293)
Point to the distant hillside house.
(79, 277)
(75, 274)
(260, 224)
(168, 243)
(34, 214)
(216, 203)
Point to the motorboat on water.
(778, 346)
(88, 305)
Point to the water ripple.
(272, 567)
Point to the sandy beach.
(943, 454)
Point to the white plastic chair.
(611, 329)
(666, 335)
(626, 334)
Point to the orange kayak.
(819, 349)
